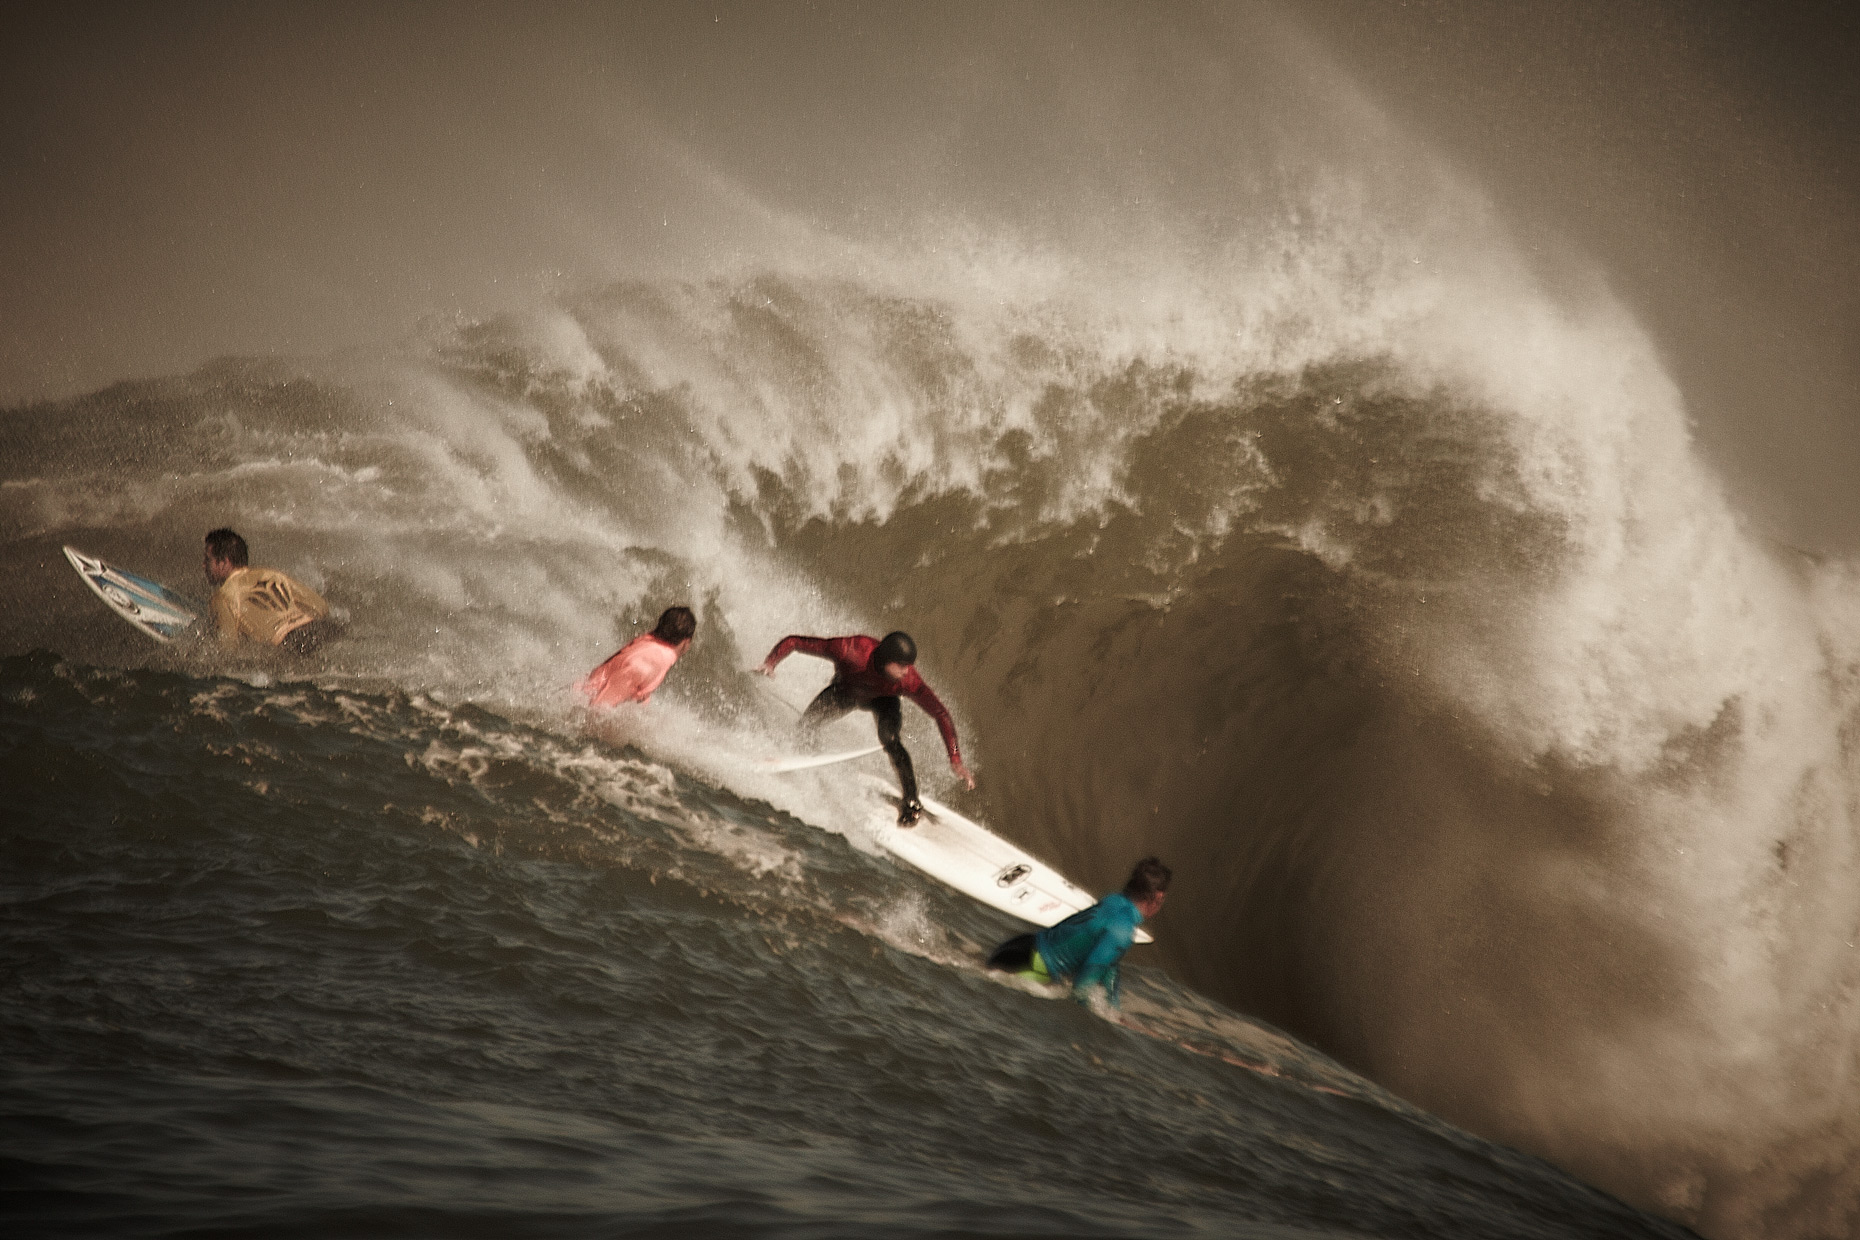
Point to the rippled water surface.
(296, 960)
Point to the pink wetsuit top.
(853, 670)
(631, 675)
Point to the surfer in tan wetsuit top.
(260, 604)
(871, 674)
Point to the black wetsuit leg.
(829, 704)
(889, 713)
(1014, 955)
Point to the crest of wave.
(1593, 612)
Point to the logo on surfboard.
(129, 605)
(1013, 874)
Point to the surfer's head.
(1148, 885)
(676, 625)
(225, 552)
(895, 650)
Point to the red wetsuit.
(858, 683)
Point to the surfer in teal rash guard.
(870, 674)
(1086, 947)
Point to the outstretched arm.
(933, 707)
(792, 644)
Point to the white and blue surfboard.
(150, 606)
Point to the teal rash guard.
(1085, 948)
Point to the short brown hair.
(675, 625)
(223, 544)
(1148, 878)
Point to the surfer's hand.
(962, 773)
(767, 668)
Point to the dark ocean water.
(290, 960)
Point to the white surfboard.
(807, 762)
(966, 855)
(148, 605)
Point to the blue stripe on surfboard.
(148, 605)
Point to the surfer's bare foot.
(909, 813)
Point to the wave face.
(1387, 601)
(296, 960)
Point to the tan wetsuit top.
(264, 605)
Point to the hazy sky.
(183, 181)
(1708, 156)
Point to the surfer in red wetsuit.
(871, 674)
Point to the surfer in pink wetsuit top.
(639, 667)
(871, 674)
